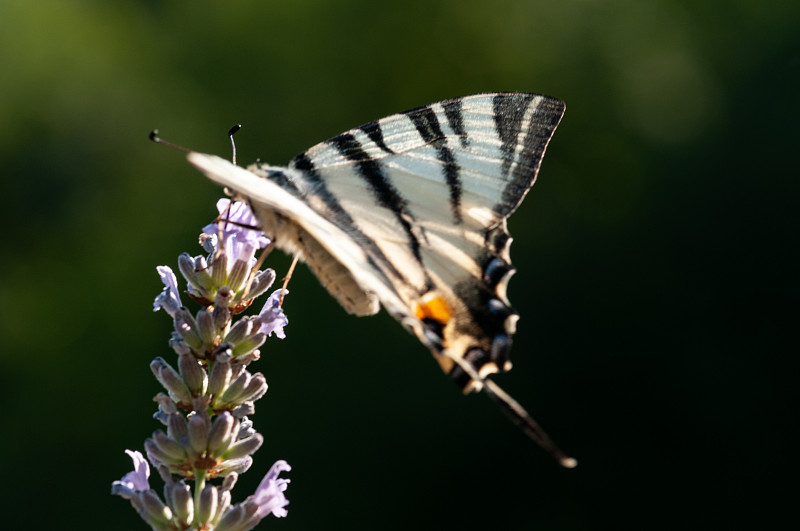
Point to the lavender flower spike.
(206, 435)
(272, 317)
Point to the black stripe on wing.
(280, 178)
(455, 119)
(384, 191)
(522, 141)
(375, 133)
(340, 216)
(427, 124)
(509, 111)
(542, 124)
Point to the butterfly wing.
(410, 210)
(333, 251)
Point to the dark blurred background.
(656, 257)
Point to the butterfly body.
(409, 212)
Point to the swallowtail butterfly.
(409, 212)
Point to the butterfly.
(409, 212)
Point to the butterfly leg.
(288, 277)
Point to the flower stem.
(199, 485)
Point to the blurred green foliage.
(657, 257)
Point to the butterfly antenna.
(232, 132)
(158, 140)
(515, 412)
(222, 219)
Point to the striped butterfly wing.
(431, 188)
(410, 211)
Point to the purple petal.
(138, 479)
(269, 494)
(240, 250)
(169, 299)
(272, 317)
(241, 217)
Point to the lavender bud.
(168, 493)
(174, 451)
(164, 473)
(199, 403)
(205, 327)
(224, 503)
(195, 272)
(245, 429)
(223, 352)
(249, 358)
(208, 242)
(240, 272)
(237, 466)
(165, 404)
(219, 270)
(222, 302)
(221, 433)
(240, 330)
(220, 377)
(154, 453)
(181, 501)
(234, 390)
(155, 512)
(255, 388)
(186, 327)
(186, 267)
(135, 499)
(198, 433)
(250, 344)
(171, 380)
(177, 344)
(177, 427)
(232, 519)
(229, 482)
(207, 504)
(248, 408)
(244, 447)
(238, 369)
(161, 417)
(193, 375)
(262, 282)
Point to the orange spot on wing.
(433, 307)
